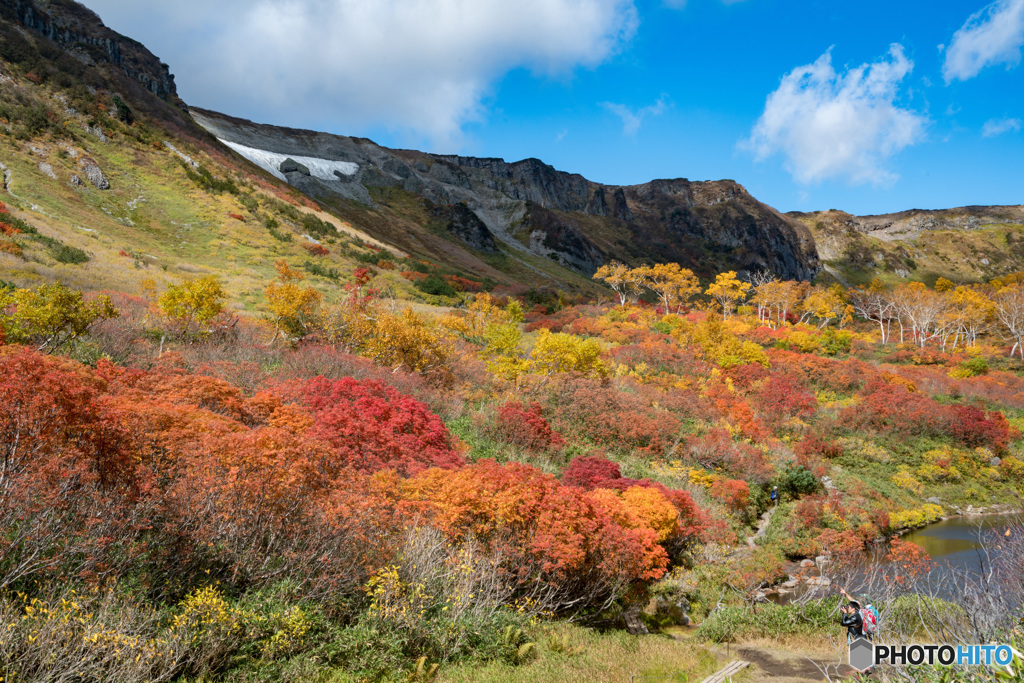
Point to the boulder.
(996, 461)
(289, 165)
(94, 173)
(75, 180)
(821, 560)
(663, 610)
(807, 563)
(344, 177)
(934, 500)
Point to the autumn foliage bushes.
(524, 426)
(371, 427)
(621, 415)
(892, 407)
(171, 479)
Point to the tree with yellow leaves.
(191, 304)
(969, 313)
(824, 303)
(728, 290)
(673, 284)
(295, 309)
(624, 281)
(49, 316)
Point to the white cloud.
(994, 127)
(419, 66)
(829, 125)
(680, 4)
(631, 119)
(993, 35)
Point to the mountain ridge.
(530, 206)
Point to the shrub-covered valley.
(364, 489)
(243, 437)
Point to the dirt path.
(781, 665)
(762, 526)
(786, 666)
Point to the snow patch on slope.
(271, 161)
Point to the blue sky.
(868, 107)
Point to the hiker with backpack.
(866, 613)
(859, 617)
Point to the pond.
(957, 543)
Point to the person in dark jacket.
(853, 622)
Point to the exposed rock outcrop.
(81, 32)
(94, 173)
(292, 166)
(460, 221)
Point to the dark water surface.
(961, 542)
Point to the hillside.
(966, 244)
(102, 156)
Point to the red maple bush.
(892, 407)
(781, 398)
(525, 426)
(594, 472)
(316, 249)
(716, 449)
(73, 499)
(974, 427)
(734, 493)
(371, 426)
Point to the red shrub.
(461, 284)
(316, 249)
(972, 427)
(781, 398)
(590, 472)
(372, 427)
(543, 530)
(735, 493)
(622, 415)
(237, 216)
(746, 375)
(525, 426)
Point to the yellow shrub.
(561, 352)
(906, 519)
(803, 342)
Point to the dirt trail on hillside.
(781, 665)
(785, 666)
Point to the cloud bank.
(992, 36)
(994, 127)
(831, 125)
(419, 66)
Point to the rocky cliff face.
(532, 208)
(81, 32)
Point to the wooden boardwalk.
(730, 670)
